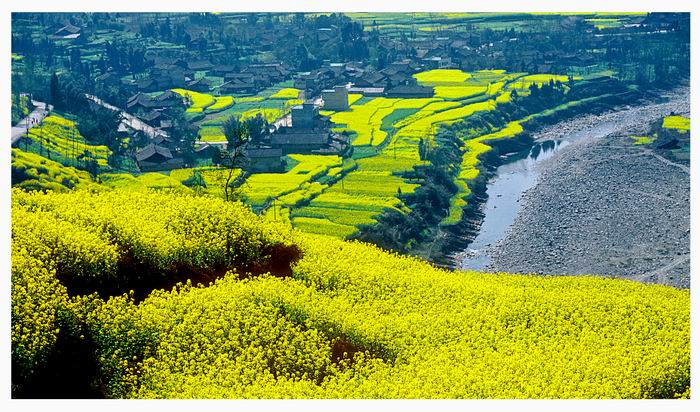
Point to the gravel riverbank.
(605, 206)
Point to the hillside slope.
(269, 312)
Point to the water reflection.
(513, 178)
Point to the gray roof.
(140, 98)
(169, 94)
(69, 28)
(160, 139)
(150, 116)
(258, 152)
(292, 138)
(107, 76)
(408, 90)
(151, 150)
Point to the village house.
(202, 85)
(313, 82)
(305, 116)
(165, 77)
(264, 159)
(371, 79)
(367, 91)
(306, 81)
(237, 85)
(108, 78)
(151, 118)
(67, 32)
(154, 157)
(335, 99)
(168, 99)
(309, 133)
(140, 102)
(269, 72)
(291, 140)
(200, 65)
(164, 141)
(143, 104)
(438, 62)
(221, 70)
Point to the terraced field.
(396, 24)
(59, 139)
(388, 133)
(331, 196)
(272, 104)
(292, 186)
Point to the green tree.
(233, 157)
(56, 97)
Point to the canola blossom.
(61, 138)
(347, 321)
(679, 123)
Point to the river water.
(518, 173)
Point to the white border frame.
(8, 6)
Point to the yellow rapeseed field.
(347, 320)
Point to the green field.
(392, 130)
(272, 104)
(262, 188)
(397, 24)
(385, 133)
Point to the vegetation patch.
(679, 123)
(643, 140)
(262, 188)
(58, 139)
(197, 101)
(458, 92)
(286, 93)
(441, 76)
(33, 172)
(343, 310)
(221, 103)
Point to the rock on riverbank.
(605, 207)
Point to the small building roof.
(150, 116)
(68, 28)
(290, 137)
(139, 99)
(260, 152)
(151, 150)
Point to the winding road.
(41, 110)
(129, 120)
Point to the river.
(520, 172)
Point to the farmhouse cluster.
(138, 65)
(362, 125)
(327, 88)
